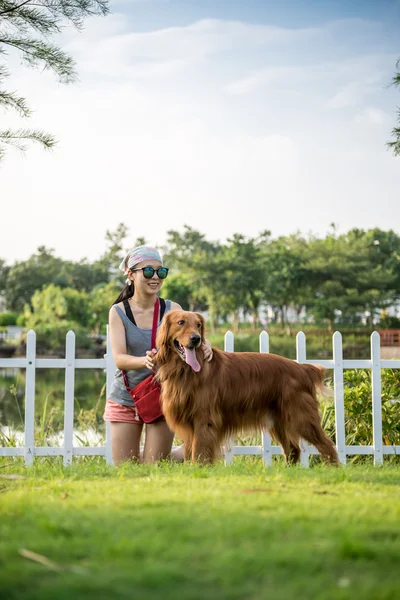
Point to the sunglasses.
(148, 272)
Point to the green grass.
(189, 532)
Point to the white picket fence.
(70, 363)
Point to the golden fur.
(237, 391)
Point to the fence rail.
(267, 450)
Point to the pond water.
(49, 397)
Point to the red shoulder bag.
(146, 394)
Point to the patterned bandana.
(138, 255)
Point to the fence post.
(30, 397)
(110, 372)
(229, 346)
(376, 398)
(301, 355)
(265, 438)
(69, 397)
(339, 396)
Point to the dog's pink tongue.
(191, 359)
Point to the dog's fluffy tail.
(317, 375)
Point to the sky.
(227, 116)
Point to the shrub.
(358, 408)
(8, 318)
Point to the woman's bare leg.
(125, 441)
(158, 441)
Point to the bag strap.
(126, 382)
(128, 311)
(153, 333)
(162, 308)
(155, 323)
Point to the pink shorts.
(114, 411)
(120, 413)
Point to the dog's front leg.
(205, 445)
(187, 447)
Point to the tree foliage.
(27, 28)
(394, 145)
(336, 279)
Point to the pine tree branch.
(395, 144)
(36, 51)
(396, 79)
(13, 8)
(10, 100)
(27, 18)
(18, 138)
(20, 20)
(74, 11)
(3, 72)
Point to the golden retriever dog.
(207, 402)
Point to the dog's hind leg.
(309, 427)
(291, 449)
(293, 456)
(315, 435)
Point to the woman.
(130, 327)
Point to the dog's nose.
(195, 338)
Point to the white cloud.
(373, 116)
(225, 126)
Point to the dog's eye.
(181, 322)
(199, 325)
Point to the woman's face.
(146, 286)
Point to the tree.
(32, 274)
(285, 281)
(19, 281)
(376, 254)
(81, 275)
(181, 247)
(100, 300)
(112, 257)
(244, 278)
(351, 274)
(4, 270)
(395, 144)
(194, 257)
(209, 280)
(53, 312)
(177, 288)
(27, 27)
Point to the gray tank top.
(138, 341)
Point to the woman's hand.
(148, 359)
(207, 350)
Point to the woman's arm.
(118, 345)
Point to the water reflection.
(88, 437)
(49, 396)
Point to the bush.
(51, 339)
(21, 321)
(358, 408)
(389, 323)
(8, 318)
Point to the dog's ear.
(203, 326)
(162, 340)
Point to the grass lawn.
(175, 532)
